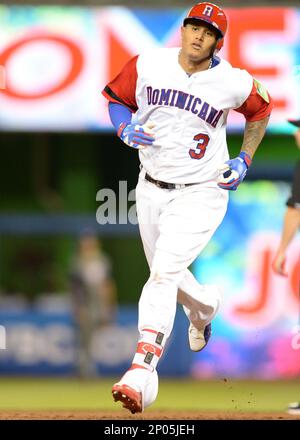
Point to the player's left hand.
(233, 171)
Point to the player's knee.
(158, 277)
(166, 277)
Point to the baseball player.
(180, 98)
(292, 216)
(290, 227)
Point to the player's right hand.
(136, 136)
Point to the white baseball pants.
(175, 226)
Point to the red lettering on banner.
(264, 296)
(118, 56)
(69, 78)
(2, 77)
(263, 290)
(247, 20)
(295, 281)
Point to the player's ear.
(215, 49)
(182, 31)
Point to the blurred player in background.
(290, 227)
(292, 216)
(93, 294)
(181, 98)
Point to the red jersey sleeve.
(122, 89)
(258, 105)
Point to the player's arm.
(256, 109)
(290, 227)
(291, 224)
(120, 93)
(253, 135)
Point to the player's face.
(197, 41)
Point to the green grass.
(70, 394)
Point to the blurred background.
(59, 266)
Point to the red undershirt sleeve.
(122, 88)
(256, 106)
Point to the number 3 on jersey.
(200, 149)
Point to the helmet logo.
(208, 11)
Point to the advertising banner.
(40, 342)
(54, 61)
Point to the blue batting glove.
(136, 136)
(233, 172)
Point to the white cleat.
(136, 390)
(198, 339)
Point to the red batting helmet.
(211, 14)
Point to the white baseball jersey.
(189, 112)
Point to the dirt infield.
(150, 415)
